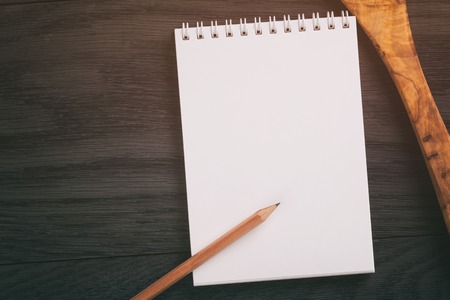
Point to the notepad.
(272, 112)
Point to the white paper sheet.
(276, 118)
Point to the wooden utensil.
(387, 25)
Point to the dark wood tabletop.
(92, 186)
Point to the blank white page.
(275, 118)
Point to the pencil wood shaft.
(206, 253)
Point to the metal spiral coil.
(258, 28)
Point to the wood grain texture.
(386, 23)
(91, 158)
(406, 268)
(91, 148)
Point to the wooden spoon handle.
(387, 25)
(428, 125)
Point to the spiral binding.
(258, 28)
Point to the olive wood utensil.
(386, 23)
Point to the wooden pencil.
(206, 253)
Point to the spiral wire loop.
(287, 23)
(316, 21)
(330, 20)
(243, 27)
(258, 28)
(185, 31)
(214, 31)
(199, 31)
(301, 23)
(345, 23)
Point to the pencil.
(206, 253)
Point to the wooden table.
(92, 188)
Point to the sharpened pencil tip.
(264, 213)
